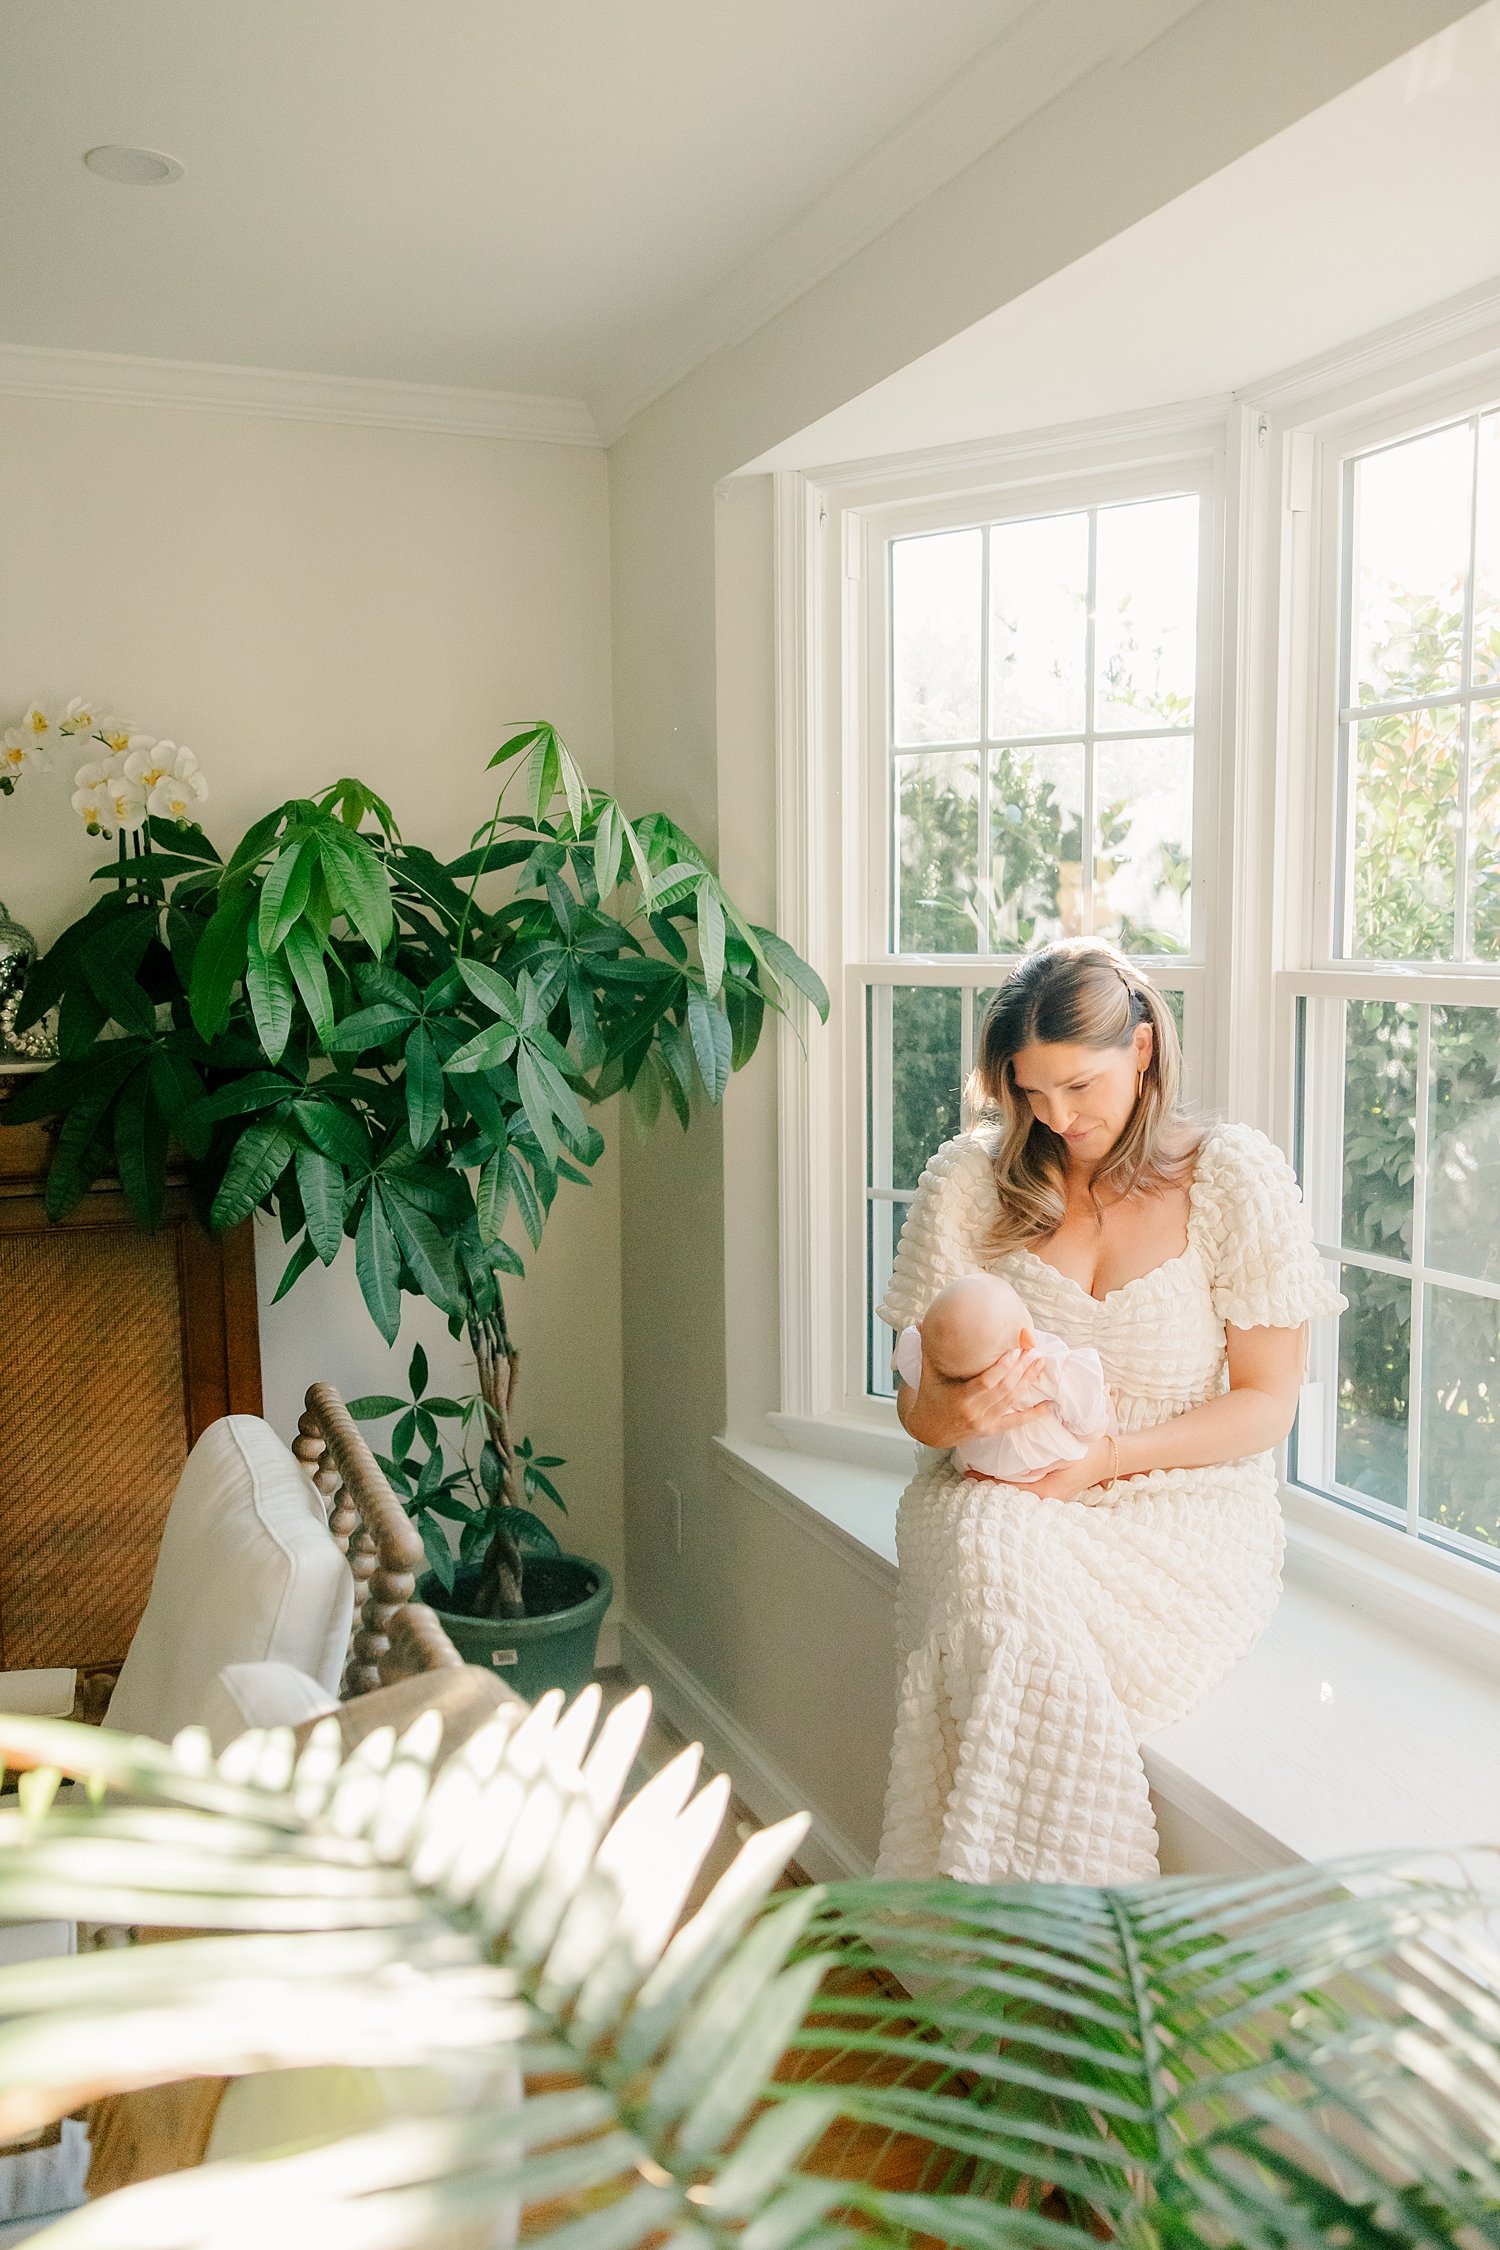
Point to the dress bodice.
(1158, 1337)
(1249, 1262)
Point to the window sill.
(1365, 1717)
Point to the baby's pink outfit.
(1070, 1378)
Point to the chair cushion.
(261, 1695)
(247, 1570)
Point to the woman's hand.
(944, 1413)
(1069, 1478)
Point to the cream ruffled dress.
(1041, 1639)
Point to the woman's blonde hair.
(1081, 992)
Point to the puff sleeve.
(948, 1225)
(1263, 1267)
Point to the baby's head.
(971, 1322)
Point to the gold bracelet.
(1114, 1464)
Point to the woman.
(1046, 1628)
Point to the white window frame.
(1273, 642)
(1311, 432)
(832, 540)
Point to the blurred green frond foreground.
(1308, 2058)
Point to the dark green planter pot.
(553, 1645)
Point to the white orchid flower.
(92, 800)
(38, 726)
(120, 736)
(80, 717)
(147, 762)
(127, 802)
(176, 794)
(18, 753)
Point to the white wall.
(297, 601)
(779, 1633)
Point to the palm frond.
(1306, 2059)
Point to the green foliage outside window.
(1408, 829)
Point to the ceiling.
(520, 195)
(1376, 206)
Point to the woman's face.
(1083, 1094)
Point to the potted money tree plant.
(405, 1053)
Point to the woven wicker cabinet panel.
(117, 1349)
(92, 1437)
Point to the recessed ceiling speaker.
(133, 167)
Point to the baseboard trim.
(826, 1852)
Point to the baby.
(965, 1330)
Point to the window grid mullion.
(1465, 718)
(1437, 1277)
(1418, 1285)
(1086, 845)
(982, 869)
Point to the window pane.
(884, 1233)
(1487, 553)
(1146, 613)
(1411, 557)
(1484, 831)
(926, 1075)
(1373, 1376)
(1463, 1187)
(935, 603)
(1461, 1414)
(1380, 1125)
(1036, 847)
(1039, 587)
(938, 815)
(1143, 825)
(1406, 836)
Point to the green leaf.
(559, 1095)
(424, 1087)
(608, 844)
(321, 1186)
(514, 745)
(272, 999)
(296, 1266)
(403, 1434)
(374, 1406)
(424, 1248)
(575, 789)
(490, 1200)
(377, 980)
(713, 1042)
(358, 885)
(790, 968)
(746, 1009)
(260, 1156)
(368, 1027)
(304, 957)
(377, 1263)
(489, 986)
(334, 1130)
(219, 962)
(284, 892)
(483, 1051)
(141, 1149)
(710, 934)
(79, 1155)
(542, 774)
(111, 961)
(528, 1203)
(538, 1107)
(641, 863)
(416, 1373)
(253, 845)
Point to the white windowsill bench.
(1366, 1717)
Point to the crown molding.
(1046, 48)
(1454, 320)
(111, 378)
(1192, 423)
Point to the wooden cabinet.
(117, 1349)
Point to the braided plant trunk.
(498, 1361)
